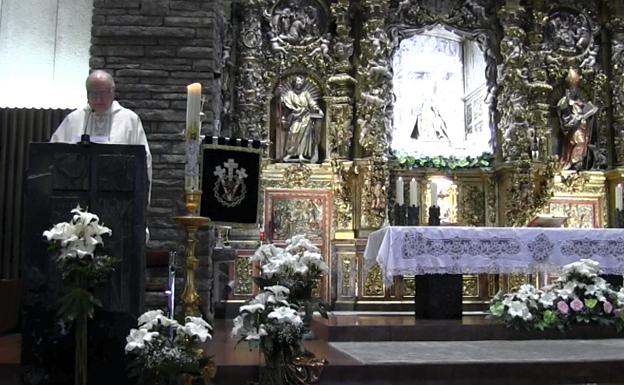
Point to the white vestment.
(118, 125)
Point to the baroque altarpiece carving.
(315, 78)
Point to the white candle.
(191, 174)
(619, 189)
(414, 192)
(399, 191)
(434, 194)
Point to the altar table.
(404, 250)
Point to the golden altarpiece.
(316, 79)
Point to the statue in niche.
(301, 120)
(575, 116)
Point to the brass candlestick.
(191, 222)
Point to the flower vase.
(272, 373)
(80, 333)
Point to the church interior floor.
(397, 349)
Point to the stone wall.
(155, 48)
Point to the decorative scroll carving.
(251, 81)
(530, 189)
(343, 196)
(513, 99)
(470, 286)
(573, 183)
(341, 128)
(375, 193)
(492, 199)
(346, 289)
(409, 283)
(297, 175)
(472, 205)
(243, 272)
(373, 284)
(617, 81)
(517, 280)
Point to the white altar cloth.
(403, 250)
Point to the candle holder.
(191, 222)
(413, 215)
(434, 216)
(223, 237)
(399, 214)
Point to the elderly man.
(104, 119)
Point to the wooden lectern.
(111, 181)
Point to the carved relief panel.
(291, 212)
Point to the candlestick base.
(413, 216)
(399, 214)
(192, 200)
(434, 216)
(190, 296)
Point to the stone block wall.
(154, 49)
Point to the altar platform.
(380, 349)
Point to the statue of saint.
(301, 120)
(575, 116)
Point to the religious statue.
(575, 116)
(302, 120)
(429, 124)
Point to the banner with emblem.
(230, 183)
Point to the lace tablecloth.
(470, 250)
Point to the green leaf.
(590, 302)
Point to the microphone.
(85, 138)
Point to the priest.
(104, 119)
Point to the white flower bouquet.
(580, 295)
(165, 349)
(270, 323)
(298, 266)
(78, 245)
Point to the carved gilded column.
(617, 82)
(251, 84)
(341, 86)
(539, 142)
(513, 99)
(374, 110)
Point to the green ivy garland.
(443, 162)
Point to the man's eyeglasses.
(99, 94)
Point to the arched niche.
(441, 105)
(298, 120)
(474, 29)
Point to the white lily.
(137, 339)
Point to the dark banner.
(230, 181)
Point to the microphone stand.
(85, 139)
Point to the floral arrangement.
(77, 245)
(297, 266)
(270, 323)
(165, 349)
(578, 296)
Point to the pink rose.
(576, 304)
(563, 307)
(607, 307)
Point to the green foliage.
(442, 162)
